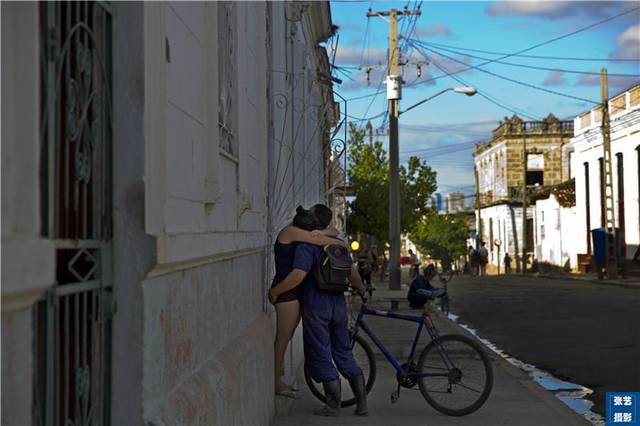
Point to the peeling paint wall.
(208, 346)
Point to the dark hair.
(305, 219)
(323, 214)
(429, 269)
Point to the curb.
(589, 280)
(560, 408)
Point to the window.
(535, 177)
(227, 77)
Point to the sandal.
(287, 393)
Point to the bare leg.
(288, 317)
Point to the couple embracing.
(297, 294)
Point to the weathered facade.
(500, 168)
(216, 120)
(500, 162)
(586, 152)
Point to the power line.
(468, 143)
(437, 49)
(551, 40)
(555, 58)
(518, 53)
(483, 94)
(364, 42)
(522, 83)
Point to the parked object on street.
(599, 237)
(441, 372)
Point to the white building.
(586, 152)
(556, 226)
(455, 202)
(501, 223)
(147, 164)
(499, 165)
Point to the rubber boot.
(334, 400)
(360, 392)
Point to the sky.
(443, 130)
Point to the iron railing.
(73, 321)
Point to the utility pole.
(611, 248)
(524, 200)
(478, 207)
(394, 93)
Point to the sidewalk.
(515, 399)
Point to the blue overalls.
(421, 291)
(325, 324)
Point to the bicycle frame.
(421, 320)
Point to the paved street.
(583, 332)
(515, 399)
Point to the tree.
(369, 176)
(442, 236)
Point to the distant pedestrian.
(471, 263)
(384, 263)
(365, 266)
(374, 259)
(507, 263)
(415, 264)
(483, 255)
(535, 266)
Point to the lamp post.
(394, 86)
(469, 91)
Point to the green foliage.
(442, 236)
(369, 176)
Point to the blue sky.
(447, 125)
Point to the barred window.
(227, 77)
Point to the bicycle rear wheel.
(468, 377)
(364, 357)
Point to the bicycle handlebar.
(353, 290)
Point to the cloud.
(554, 78)
(434, 30)
(472, 130)
(554, 10)
(617, 82)
(628, 44)
(352, 55)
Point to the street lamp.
(467, 90)
(394, 85)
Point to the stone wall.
(499, 162)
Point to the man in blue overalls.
(325, 328)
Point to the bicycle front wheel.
(444, 305)
(460, 375)
(364, 357)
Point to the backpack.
(333, 268)
(364, 266)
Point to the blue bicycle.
(452, 372)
